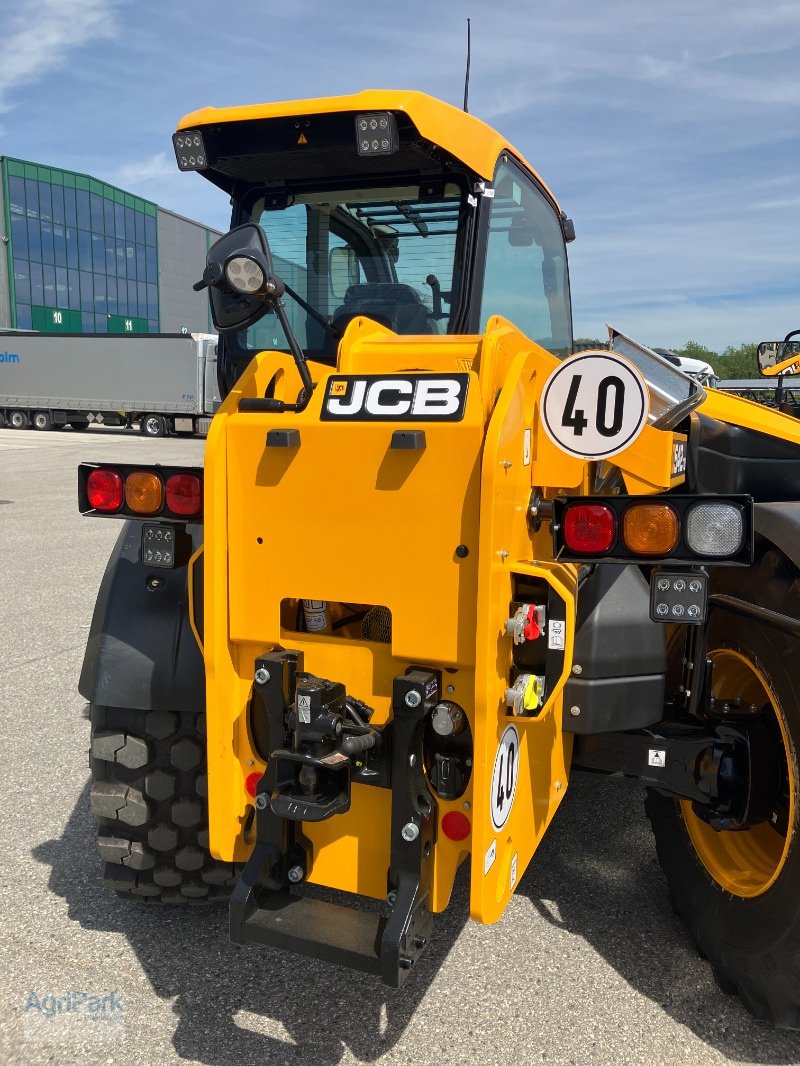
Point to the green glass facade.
(82, 255)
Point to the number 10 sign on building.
(594, 405)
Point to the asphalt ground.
(588, 964)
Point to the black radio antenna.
(466, 79)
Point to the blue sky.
(668, 132)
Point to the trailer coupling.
(723, 768)
(320, 742)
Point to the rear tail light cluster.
(654, 529)
(140, 492)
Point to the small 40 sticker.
(504, 777)
(594, 405)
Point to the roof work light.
(190, 151)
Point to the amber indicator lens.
(144, 493)
(650, 529)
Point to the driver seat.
(397, 306)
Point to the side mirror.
(240, 279)
(779, 357)
(343, 270)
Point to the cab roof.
(461, 135)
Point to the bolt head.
(575, 711)
(451, 689)
(261, 801)
(577, 669)
(295, 874)
(413, 698)
(410, 831)
(262, 676)
(412, 759)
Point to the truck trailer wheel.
(17, 419)
(149, 799)
(153, 426)
(739, 891)
(41, 420)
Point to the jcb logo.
(410, 398)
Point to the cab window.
(525, 277)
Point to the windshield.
(388, 253)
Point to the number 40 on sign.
(594, 405)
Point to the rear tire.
(153, 426)
(149, 799)
(17, 420)
(79, 426)
(42, 421)
(739, 892)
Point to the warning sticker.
(556, 631)
(304, 709)
(489, 857)
(504, 777)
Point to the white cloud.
(40, 37)
(153, 169)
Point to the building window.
(83, 256)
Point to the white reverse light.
(714, 529)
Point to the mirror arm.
(335, 333)
(300, 362)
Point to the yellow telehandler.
(434, 562)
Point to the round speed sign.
(594, 405)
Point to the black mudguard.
(141, 651)
(779, 523)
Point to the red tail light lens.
(589, 528)
(104, 490)
(185, 494)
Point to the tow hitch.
(320, 742)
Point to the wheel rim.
(747, 862)
(153, 426)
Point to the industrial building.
(82, 256)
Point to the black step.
(319, 929)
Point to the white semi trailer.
(165, 382)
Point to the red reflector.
(104, 490)
(589, 528)
(251, 782)
(455, 825)
(185, 494)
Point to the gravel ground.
(587, 966)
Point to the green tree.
(738, 362)
(693, 350)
